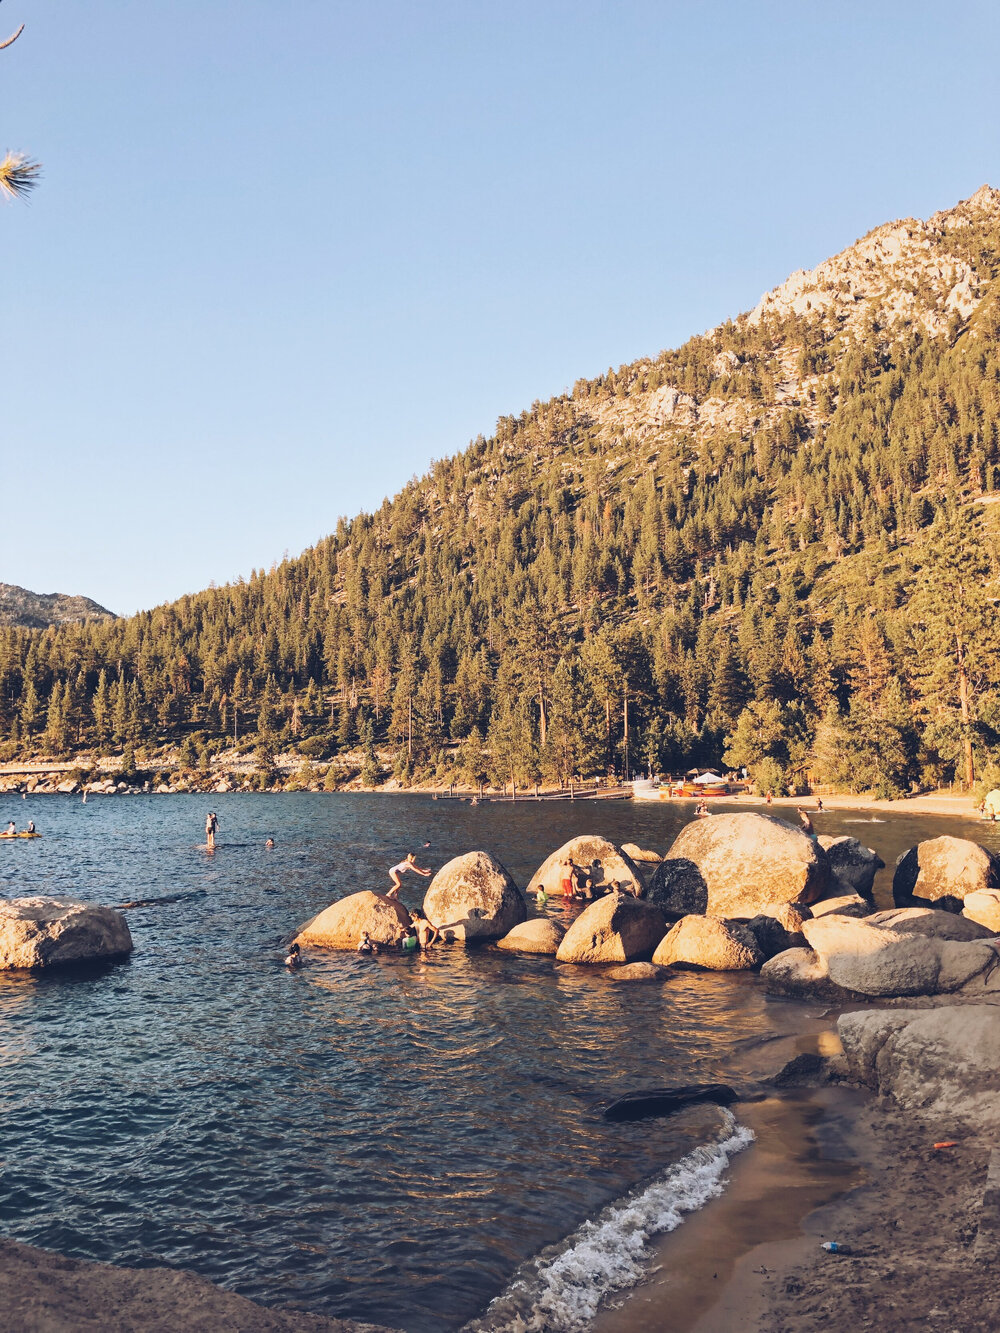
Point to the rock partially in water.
(614, 868)
(929, 921)
(942, 872)
(666, 1101)
(853, 866)
(536, 936)
(711, 943)
(473, 897)
(637, 972)
(40, 933)
(943, 1064)
(340, 925)
(616, 929)
(734, 865)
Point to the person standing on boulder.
(211, 824)
(401, 868)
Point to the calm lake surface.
(380, 1138)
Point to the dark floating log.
(665, 1101)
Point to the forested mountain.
(35, 610)
(775, 545)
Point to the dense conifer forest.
(775, 546)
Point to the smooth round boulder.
(853, 866)
(340, 925)
(538, 935)
(711, 943)
(615, 869)
(615, 929)
(983, 907)
(640, 855)
(636, 972)
(942, 872)
(472, 897)
(734, 865)
(37, 933)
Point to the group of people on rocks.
(581, 883)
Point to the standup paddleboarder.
(211, 825)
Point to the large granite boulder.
(943, 872)
(615, 869)
(983, 906)
(857, 959)
(853, 866)
(472, 897)
(711, 943)
(538, 935)
(40, 933)
(735, 865)
(340, 925)
(942, 1064)
(615, 929)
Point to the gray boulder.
(39, 933)
(473, 897)
(773, 934)
(853, 866)
(734, 865)
(535, 936)
(942, 1064)
(614, 869)
(858, 959)
(615, 929)
(640, 855)
(340, 925)
(711, 943)
(929, 921)
(983, 906)
(848, 904)
(942, 872)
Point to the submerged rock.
(40, 933)
(340, 925)
(473, 897)
(943, 872)
(853, 866)
(536, 936)
(615, 929)
(615, 869)
(666, 1101)
(636, 972)
(711, 943)
(736, 864)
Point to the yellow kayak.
(20, 835)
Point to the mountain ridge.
(33, 610)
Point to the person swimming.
(427, 934)
(365, 944)
(400, 868)
(269, 844)
(294, 958)
(541, 897)
(807, 824)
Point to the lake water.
(384, 1138)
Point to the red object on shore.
(947, 1143)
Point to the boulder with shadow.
(942, 872)
(39, 933)
(472, 897)
(539, 935)
(615, 929)
(340, 925)
(610, 867)
(734, 865)
(853, 866)
(711, 943)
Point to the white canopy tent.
(709, 780)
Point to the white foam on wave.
(560, 1290)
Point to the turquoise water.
(381, 1138)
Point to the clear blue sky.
(284, 255)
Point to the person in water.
(566, 878)
(400, 868)
(294, 958)
(269, 844)
(408, 938)
(211, 825)
(541, 897)
(807, 824)
(701, 809)
(365, 944)
(427, 934)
